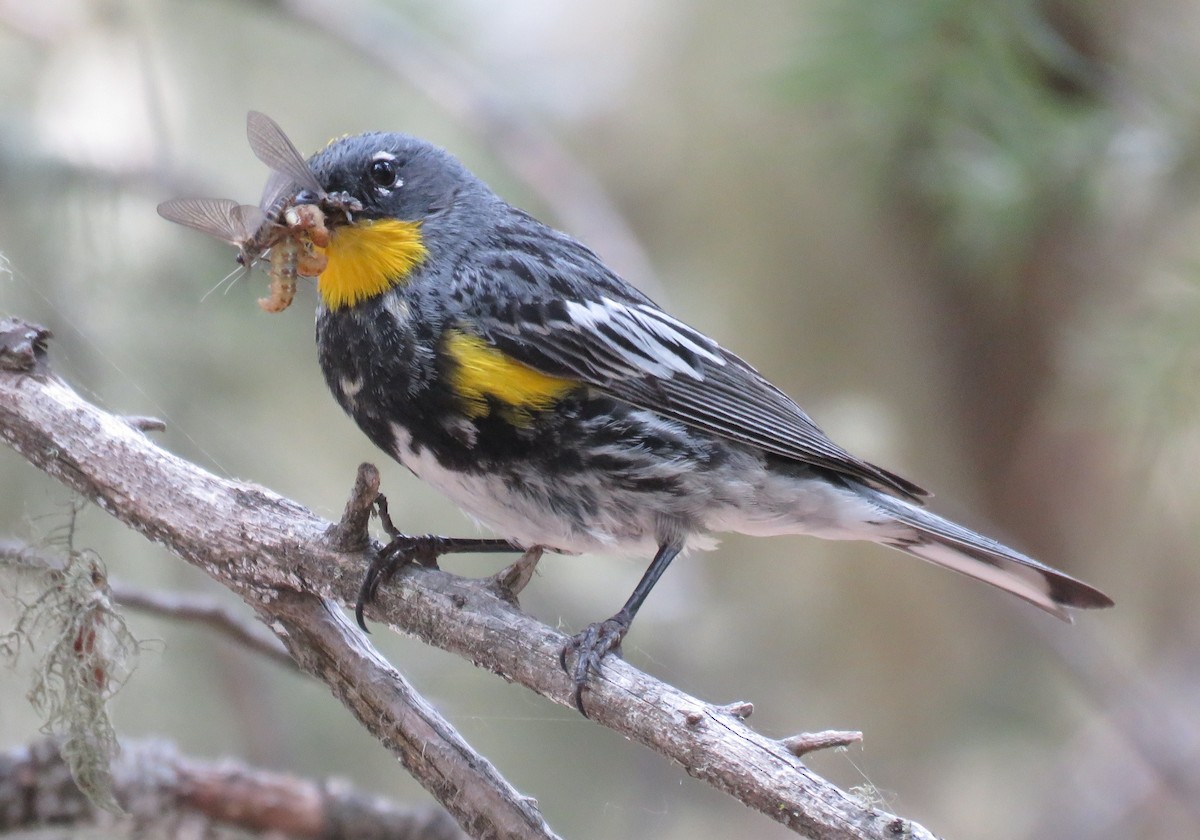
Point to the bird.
(505, 364)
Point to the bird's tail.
(940, 541)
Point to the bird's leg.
(405, 548)
(604, 637)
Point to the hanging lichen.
(81, 648)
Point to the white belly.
(527, 515)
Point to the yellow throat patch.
(481, 375)
(368, 258)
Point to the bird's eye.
(384, 173)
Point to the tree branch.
(162, 791)
(197, 609)
(327, 645)
(278, 556)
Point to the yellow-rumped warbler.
(502, 362)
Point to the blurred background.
(964, 235)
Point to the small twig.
(146, 424)
(807, 742)
(23, 346)
(164, 792)
(510, 581)
(351, 533)
(740, 709)
(206, 611)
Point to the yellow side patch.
(482, 374)
(368, 258)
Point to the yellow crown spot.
(366, 259)
(481, 375)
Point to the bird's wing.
(617, 341)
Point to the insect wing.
(249, 219)
(278, 189)
(272, 147)
(223, 218)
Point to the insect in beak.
(288, 223)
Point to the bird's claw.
(393, 557)
(422, 550)
(590, 647)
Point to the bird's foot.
(393, 557)
(405, 549)
(590, 647)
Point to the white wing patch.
(647, 339)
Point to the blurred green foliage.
(984, 114)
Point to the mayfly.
(295, 235)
